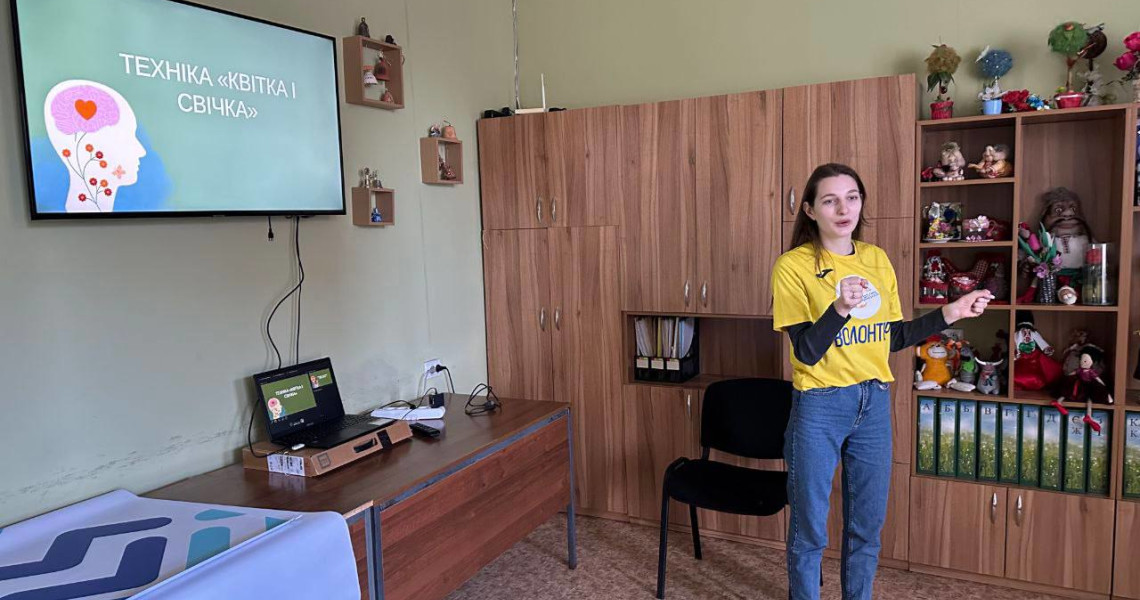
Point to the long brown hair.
(806, 230)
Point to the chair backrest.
(746, 417)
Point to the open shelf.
(1077, 308)
(726, 348)
(956, 395)
(1132, 399)
(961, 244)
(992, 306)
(363, 201)
(431, 148)
(360, 51)
(1044, 398)
(937, 184)
(1012, 486)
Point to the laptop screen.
(299, 397)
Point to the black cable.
(490, 404)
(269, 220)
(296, 290)
(300, 283)
(450, 383)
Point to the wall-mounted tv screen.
(163, 108)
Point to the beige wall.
(628, 51)
(133, 373)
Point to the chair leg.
(696, 531)
(661, 552)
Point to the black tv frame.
(30, 178)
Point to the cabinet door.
(737, 189)
(1126, 574)
(956, 525)
(867, 124)
(513, 172)
(658, 245)
(661, 426)
(516, 267)
(1062, 540)
(586, 341)
(585, 166)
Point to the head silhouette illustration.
(92, 129)
(276, 411)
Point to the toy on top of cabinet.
(995, 162)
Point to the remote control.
(424, 430)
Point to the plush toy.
(1063, 220)
(995, 162)
(1086, 384)
(953, 165)
(933, 288)
(1034, 367)
(968, 369)
(989, 379)
(935, 371)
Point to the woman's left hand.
(970, 305)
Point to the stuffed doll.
(935, 371)
(953, 165)
(989, 380)
(1063, 220)
(1085, 385)
(968, 369)
(1034, 367)
(1072, 357)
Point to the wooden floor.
(618, 560)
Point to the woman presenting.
(837, 298)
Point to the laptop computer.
(302, 406)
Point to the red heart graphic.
(86, 108)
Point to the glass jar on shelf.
(1098, 287)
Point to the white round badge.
(872, 300)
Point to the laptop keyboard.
(303, 437)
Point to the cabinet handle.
(542, 318)
(1020, 510)
(686, 292)
(705, 293)
(792, 201)
(538, 209)
(554, 208)
(689, 405)
(558, 318)
(993, 508)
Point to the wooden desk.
(425, 516)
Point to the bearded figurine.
(1064, 221)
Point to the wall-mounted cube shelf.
(365, 199)
(431, 148)
(361, 51)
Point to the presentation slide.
(320, 378)
(289, 396)
(152, 106)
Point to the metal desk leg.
(571, 530)
(377, 566)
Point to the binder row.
(1131, 487)
(666, 348)
(1022, 444)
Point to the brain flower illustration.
(84, 108)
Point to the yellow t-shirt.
(863, 347)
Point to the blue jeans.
(854, 423)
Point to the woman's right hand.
(850, 295)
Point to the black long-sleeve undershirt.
(811, 340)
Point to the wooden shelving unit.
(431, 148)
(363, 201)
(360, 51)
(939, 184)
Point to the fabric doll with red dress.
(1085, 385)
(1033, 365)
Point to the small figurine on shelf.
(943, 222)
(362, 28)
(446, 173)
(995, 162)
(369, 77)
(376, 218)
(933, 288)
(387, 96)
(364, 177)
(1034, 366)
(380, 69)
(952, 166)
(1069, 39)
(976, 229)
(448, 130)
(388, 39)
(989, 378)
(1097, 283)
(968, 367)
(997, 283)
(433, 130)
(1067, 295)
(1072, 357)
(1063, 219)
(940, 66)
(993, 64)
(1086, 384)
(935, 370)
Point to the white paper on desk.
(406, 414)
(287, 464)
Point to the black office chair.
(745, 417)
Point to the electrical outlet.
(430, 365)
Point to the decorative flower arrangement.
(1023, 101)
(1129, 62)
(940, 66)
(993, 65)
(1068, 39)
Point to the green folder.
(1100, 453)
(967, 439)
(1030, 445)
(927, 446)
(988, 441)
(1075, 452)
(1052, 436)
(1009, 446)
(947, 437)
(1132, 455)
